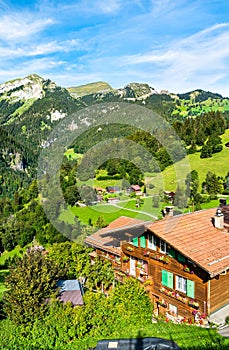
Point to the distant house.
(183, 261)
(70, 290)
(99, 190)
(112, 189)
(136, 189)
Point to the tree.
(101, 222)
(212, 184)
(180, 199)
(31, 282)
(72, 259)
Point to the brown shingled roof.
(195, 237)
(121, 229)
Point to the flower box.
(125, 259)
(130, 249)
(162, 303)
(193, 304)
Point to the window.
(152, 242)
(186, 286)
(163, 247)
(173, 309)
(181, 284)
(167, 278)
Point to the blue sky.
(178, 45)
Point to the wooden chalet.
(183, 261)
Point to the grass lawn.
(109, 212)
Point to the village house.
(183, 261)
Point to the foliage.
(212, 184)
(31, 281)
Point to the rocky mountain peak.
(30, 87)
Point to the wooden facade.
(177, 284)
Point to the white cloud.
(202, 57)
(90, 7)
(21, 25)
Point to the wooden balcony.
(144, 253)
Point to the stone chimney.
(167, 211)
(218, 219)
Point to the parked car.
(137, 344)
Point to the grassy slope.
(88, 89)
(109, 212)
(218, 164)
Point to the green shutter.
(135, 241)
(164, 277)
(181, 258)
(190, 289)
(143, 242)
(171, 252)
(170, 280)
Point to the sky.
(175, 45)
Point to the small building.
(112, 189)
(70, 290)
(136, 189)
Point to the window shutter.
(142, 241)
(170, 280)
(181, 258)
(164, 277)
(135, 241)
(171, 252)
(190, 289)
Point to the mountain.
(31, 107)
(92, 88)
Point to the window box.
(125, 259)
(146, 253)
(162, 303)
(164, 259)
(193, 304)
(187, 269)
(130, 249)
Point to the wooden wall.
(219, 291)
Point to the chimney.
(168, 211)
(218, 219)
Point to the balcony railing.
(144, 253)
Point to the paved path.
(135, 211)
(224, 331)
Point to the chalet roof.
(136, 187)
(195, 237)
(121, 229)
(113, 188)
(70, 290)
